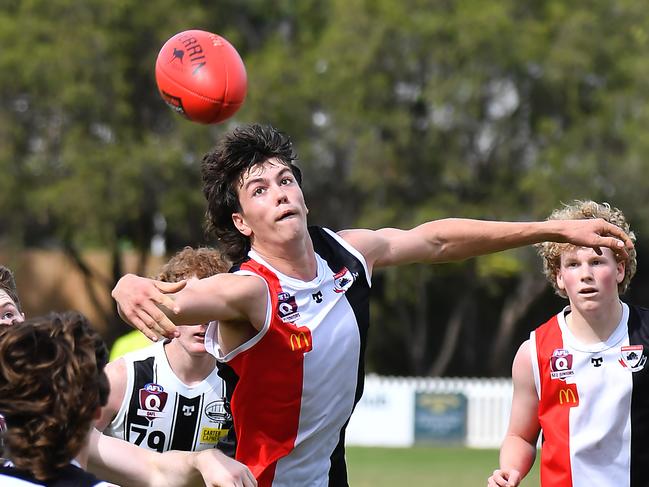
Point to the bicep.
(524, 420)
(380, 248)
(391, 246)
(223, 297)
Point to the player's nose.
(280, 194)
(585, 272)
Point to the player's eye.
(8, 318)
(287, 180)
(257, 191)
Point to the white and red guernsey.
(299, 378)
(593, 403)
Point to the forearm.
(455, 239)
(126, 464)
(517, 454)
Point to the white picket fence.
(385, 416)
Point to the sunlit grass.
(424, 466)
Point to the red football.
(201, 76)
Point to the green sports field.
(424, 466)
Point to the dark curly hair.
(223, 169)
(8, 285)
(51, 383)
(189, 262)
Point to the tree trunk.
(453, 328)
(529, 288)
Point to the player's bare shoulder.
(371, 243)
(117, 378)
(522, 372)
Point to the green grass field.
(424, 466)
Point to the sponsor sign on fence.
(402, 411)
(440, 418)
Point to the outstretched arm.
(518, 450)
(148, 305)
(126, 464)
(455, 239)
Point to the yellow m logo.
(296, 340)
(568, 396)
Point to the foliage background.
(400, 111)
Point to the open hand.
(597, 233)
(140, 302)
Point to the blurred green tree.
(401, 112)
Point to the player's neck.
(190, 369)
(82, 457)
(295, 259)
(596, 326)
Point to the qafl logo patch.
(287, 307)
(561, 364)
(152, 401)
(632, 357)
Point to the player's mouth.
(589, 291)
(285, 215)
(200, 336)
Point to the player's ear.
(559, 279)
(241, 225)
(621, 271)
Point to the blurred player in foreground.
(293, 318)
(52, 386)
(581, 378)
(128, 465)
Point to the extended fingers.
(497, 479)
(144, 328)
(620, 235)
(157, 322)
(615, 244)
(249, 480)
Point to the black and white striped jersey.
(161, 413)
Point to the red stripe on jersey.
(271, 369)
(557, 398)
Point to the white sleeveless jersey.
(161, 413)
(296, 382)
(593, 403)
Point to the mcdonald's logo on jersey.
(568, 396)
(152, 401)
(301, 340)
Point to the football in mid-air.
(201, 76)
